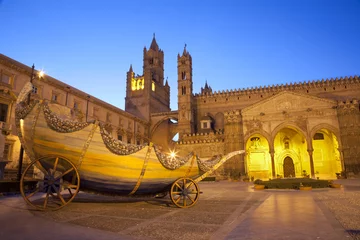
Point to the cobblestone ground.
(225, 210)
(346, 208)
(210, 218)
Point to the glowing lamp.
(172, 154)
(41, 73)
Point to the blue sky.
(234, 44)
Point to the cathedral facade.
(290, 130)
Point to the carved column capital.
(232, 116)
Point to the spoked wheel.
(184, 192)
(57, 186)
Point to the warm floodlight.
(172, 154)
(41, 73)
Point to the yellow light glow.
(133, 84)
(137, 84)
(153, 86)
(172, 154)
(41, 73)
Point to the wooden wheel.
(184, 192)
(58, 183)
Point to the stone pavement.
(225, 210)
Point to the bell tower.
(147, 93)
(185, 94)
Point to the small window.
(138, 142)
(183, 75)
(76, 105)
(183, 90)
(119, 137)
(205, 125)
(129, 141)
(5, 78)
(319, 136)
(34, 89)
(108, 117)
(54, 97)
(3, 112)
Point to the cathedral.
(290, 130)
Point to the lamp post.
(21, 156)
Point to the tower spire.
(154, 46)
(184, 52)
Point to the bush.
(295, 183)
(258, 181)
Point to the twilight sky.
(234, 44)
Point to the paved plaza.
(225, 210)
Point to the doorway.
(289, 169)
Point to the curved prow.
(25, 91)
(221, 162)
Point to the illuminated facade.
(291, 130)
(84, 107)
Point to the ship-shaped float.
(68, 156)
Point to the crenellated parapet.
(201, 138)
(322, 85)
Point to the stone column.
(234, 140)
(341, 159)
(272, 154)
(310, 151)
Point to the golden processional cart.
(70, 156)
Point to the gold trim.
(32, 132)
(86, 144)
(191, 165)
(216, 166)
(142, 170)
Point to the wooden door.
(289, 169)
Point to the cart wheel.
(58, 182)
(184, 192)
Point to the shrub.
(295, 183)
(258, 181)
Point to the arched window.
(183, 90)
(319, 136)
(183, 75)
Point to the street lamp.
(21, 156)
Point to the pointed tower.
(147, 93)
(185, 94)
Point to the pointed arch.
(292, 125)
(265, 134)
(258, 159)
(327, 151)
(333, 129)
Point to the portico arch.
(326, 154)
(258, 159)
(290, 141)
